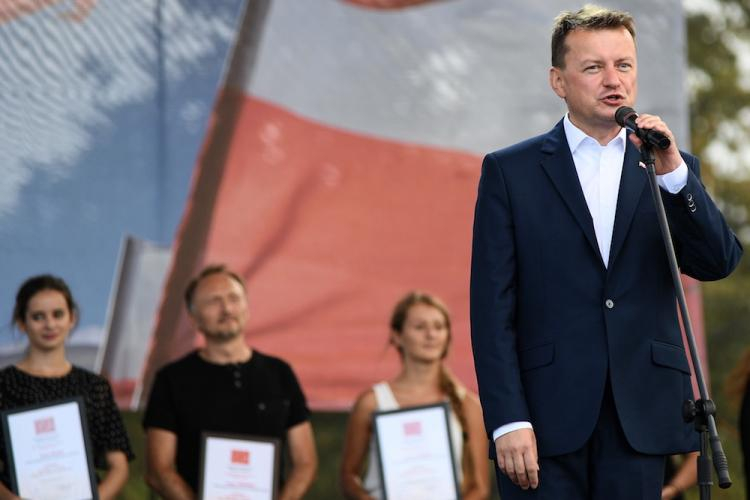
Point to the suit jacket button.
(609, 303)
(690, 197)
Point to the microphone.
(625, 117)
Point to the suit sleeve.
(493, 302)
(706, 247)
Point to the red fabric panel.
(330, 229)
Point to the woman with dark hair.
(46, 313)
(421, 332)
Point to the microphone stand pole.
(702, 411)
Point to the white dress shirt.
(599, 169)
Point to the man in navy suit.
(581, 367)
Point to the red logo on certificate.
(412, 428)
(44, 425)
(241, 457)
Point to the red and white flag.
(240, 457)
(412, 428)
(44, 425)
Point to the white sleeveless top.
(387, 401)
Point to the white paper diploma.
(415, 453)
(239, 468)
(49, 453)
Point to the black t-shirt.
(105, 425)
(260, 397)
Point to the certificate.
(49, 454)
(416, 454)
(239, 467)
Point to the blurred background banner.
(329, 151)
(341, 164)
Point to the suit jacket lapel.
(557, 162)
(632, 183)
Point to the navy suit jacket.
(550, 323)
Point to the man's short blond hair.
(590, 17)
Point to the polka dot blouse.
(106, 429)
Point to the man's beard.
(223, 333)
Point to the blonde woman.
(421, 332)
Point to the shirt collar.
(576, 136)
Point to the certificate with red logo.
(239, 467)
(415, 453)
(48, 451)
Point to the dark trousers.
(605, 468)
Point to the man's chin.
(222, 336)
(606, 119)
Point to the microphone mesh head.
(622, 114)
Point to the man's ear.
(192, 319)
(557, 82)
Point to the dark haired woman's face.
(425, 334)
(48, 320)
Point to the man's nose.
(611, 76)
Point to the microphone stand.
(702, 411)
